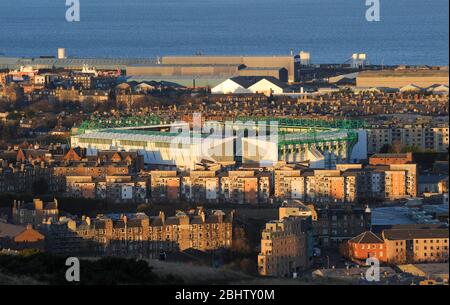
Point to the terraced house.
(138, 235)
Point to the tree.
(413, 149)
(397, 146)
(240, 241)
(386, 148)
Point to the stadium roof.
(144, 136)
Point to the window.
(95, 141)
(133, 143)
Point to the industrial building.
(188, 71)
(251, 62)
(209, 71)
(323, 144)
(399, 78)
(62, 62)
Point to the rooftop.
(415, 232)
(367, 238)
(405, 73)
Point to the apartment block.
(81, 187)
(119, 189)
(425, 137)
(244, 187)
(200, 186)
(165, 185)
(289, 184)
(116, 189)
(401, 181)
(285, 243)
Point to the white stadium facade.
(321, 143)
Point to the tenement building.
(286, 242)
(35, 213)
(139, 235)
(336, 224)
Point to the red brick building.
(388, 159)
(365, 245)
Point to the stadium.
(251, 141)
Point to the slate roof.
(248, 81)
(405, 234)
(9, 230)
(367, 238)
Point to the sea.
(409, 31)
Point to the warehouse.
(257, 65)
(13, 63)
(421, 78)
(201, 75)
